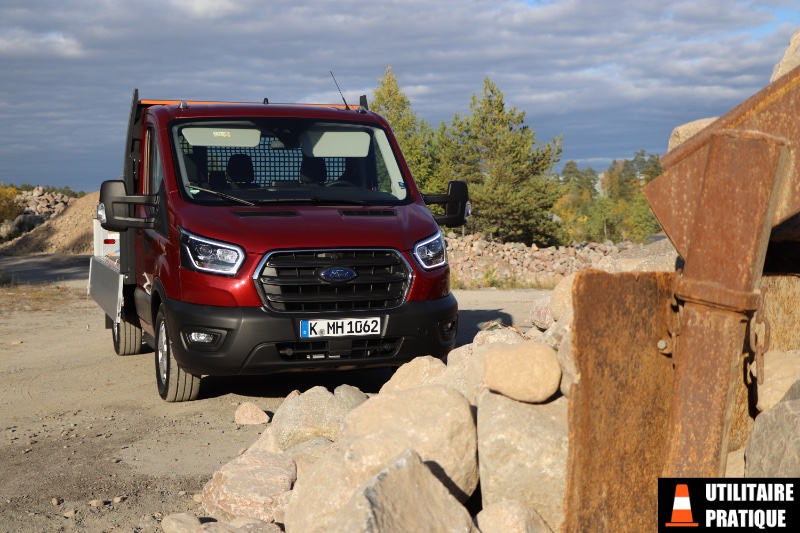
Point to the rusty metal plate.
(675, 197)
(618, 413)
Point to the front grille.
(349, 349)
(288, 281)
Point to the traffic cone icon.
(682, 508)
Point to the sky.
(610, 77)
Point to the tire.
(127, 337)
(174, 384)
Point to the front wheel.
(174, 384)
(127, 337)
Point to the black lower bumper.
(253, 340)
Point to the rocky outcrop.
(40, 206)
(791, 58)
(476, 262)
(404, 496)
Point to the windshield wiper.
(314, 200)
(222, 195)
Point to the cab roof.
(201, 109)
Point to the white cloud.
(21, 43)
(613, 77)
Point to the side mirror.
(457, 208)
(115, 209)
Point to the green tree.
(413, 134)
(578, 194)
(507, 169)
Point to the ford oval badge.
(337, 274)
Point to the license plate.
(344, 327)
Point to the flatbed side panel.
(105, 286)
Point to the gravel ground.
(85, 441)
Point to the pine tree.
(499, 157)
(413, 134)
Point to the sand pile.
(67, 233)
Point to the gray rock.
(419, 371)
(257, 484)
(317, 496)
(556, 333)
(433, 420)
(561, 300)
(685, 131)
(351, 397)
(523, 454)
(510, 516)
(540, 311)
(180, 523)
(773, 449)
(267, 442)
(455, 375)
(402, 497)
(793, 393)
(307, 453)
(315, 413)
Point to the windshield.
(260, 161)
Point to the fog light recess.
(202, 338)
(448, 328)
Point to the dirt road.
(80, 424)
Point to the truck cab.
(257, 238)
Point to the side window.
(154, 167)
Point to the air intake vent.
(368, 213)
(286, 213)
(289, 281)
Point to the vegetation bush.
(10, 206)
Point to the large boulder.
(523, 454)
(314, 413)
(455, 375)
(791, 58)
(419, 371)
(433, 420)
(527, 372)
(319, 494)
(540, 310)
(307, 453)
(685, 131)
(773, 449)
(781, 370)
(510, 516)
(561, 300)
(256, 484)
(402, 497)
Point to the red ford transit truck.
(256, 238)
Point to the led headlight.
(208, 255)
(431, 252)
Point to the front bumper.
(253, 340)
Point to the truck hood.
(262, 229)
